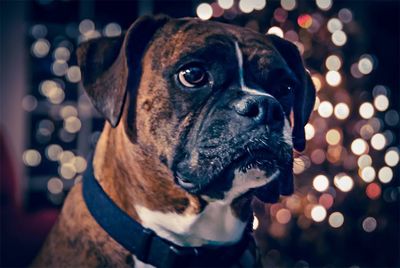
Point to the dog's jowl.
(200, 117)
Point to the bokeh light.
(364, 161)
(55, 185)
(333, 78)
(204, 11)
(378, 141)
(321, 183)
(343, 182)
(318, 213)
(385, 174)
(336, 219)
(325, 109)
(365, 65)
(256, 222)
(342, 111)
(368, 174)
(324, 4)
(339, 38)
(392, 157)
(309, 131)
(276, 31)
(359, 146)
(31, 158)
(334, 25)
(333, 137)
(283, 216)
(288, 4)
(369, 224)
(333, 63)
(366, 110)
(40, 48)
(225, 4)
(381, 103)
(373, 191)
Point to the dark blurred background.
(345, 211)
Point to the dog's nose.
(262, 109)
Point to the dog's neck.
(158, 203)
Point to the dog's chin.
(221, 181)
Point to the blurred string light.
(288, 5)
(324, 4)
(31, 158)
(87, 30)
(392, 157)
(365, 64)
(40, 48)
(112, 30)
(204, 11)
(276, 31)
(333, 78)
(55, 185)
(342, 111)
(226, 4)
(309, 131)
(333, 63)
(325, 109)
(366, 110)
(318, 213)
(29, 103)
(373, 191)
(345, 15)
(369, 224)
(336, 219)
(385, 174)
(255, 222)
(343, 182)
(381, 103)
(359, 146)
(378, 141)
(368, 174)
(334, 25)
(321, 183)
(339, 38)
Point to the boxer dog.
(200, 116)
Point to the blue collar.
(144, 243)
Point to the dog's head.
(212, 101)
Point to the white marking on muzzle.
(243, 86)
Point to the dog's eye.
(192, 76)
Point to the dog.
(200, 117)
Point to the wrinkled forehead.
(187, 37)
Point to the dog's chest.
(217, 224)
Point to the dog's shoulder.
(71, 241)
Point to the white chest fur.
(215, 225)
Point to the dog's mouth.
(220, 178)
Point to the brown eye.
(192, 76)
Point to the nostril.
(253, 110)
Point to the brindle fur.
(148, 127)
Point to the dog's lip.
(262, 158)
(185, 183)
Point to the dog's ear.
(304, 95)
(110, 65)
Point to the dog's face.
(211, 101)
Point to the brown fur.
(137, 145)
